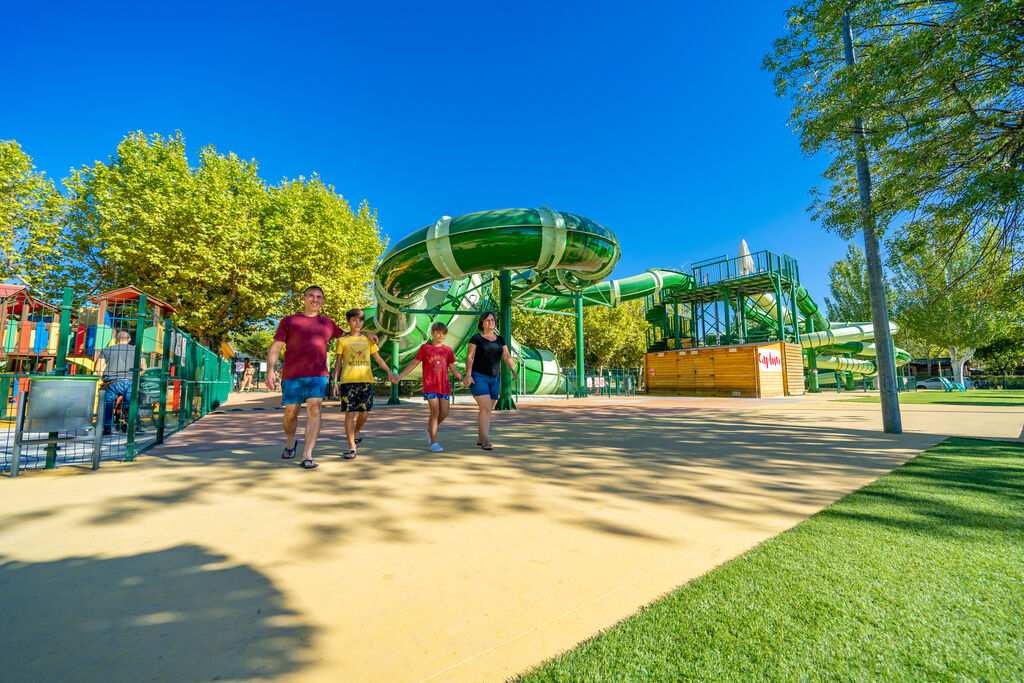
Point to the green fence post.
(165, 372)
(133, 404)
(60, 367)
(61, 364)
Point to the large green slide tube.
(568, 252)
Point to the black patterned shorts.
(356, 397)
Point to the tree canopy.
(940, 87)
(613, 337)
(214, 240)
(848, 285)
(958, 312)
(30, 219)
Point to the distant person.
(356, 377)
(304, 336)
(438, 359)
(247, 374)
(115, 368)
(484, 355)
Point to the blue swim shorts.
(296, 390)
(485, 384)
(446, 397)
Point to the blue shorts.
(446, 397)
(485, 384)
(296, 390)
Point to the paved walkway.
(212, 558)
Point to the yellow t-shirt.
(355, 353)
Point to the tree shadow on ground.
(180, 614)
(720, 467)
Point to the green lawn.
(918, 576)
(981, 397)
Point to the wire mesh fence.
(155, 379)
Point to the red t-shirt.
(305, 339)
(436, 360)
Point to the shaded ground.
(409, 565)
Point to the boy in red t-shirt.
(437, 360)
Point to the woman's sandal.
(349, 455)
(290, 450)
(487, 446)
(311, 464)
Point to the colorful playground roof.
(17, 298)
(132, 293)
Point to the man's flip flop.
(349, 455)
(309, 464)
(291, 450)
(359, 440)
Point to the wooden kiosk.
(741, 370)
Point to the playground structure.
(175, 380)
(555, 262)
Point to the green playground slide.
(556, 255)
(440, 269)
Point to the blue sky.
(652, 118)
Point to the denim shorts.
(485, 384)
(298, 389)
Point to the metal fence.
(158, 379)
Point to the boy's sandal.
(359, 440)
(487, 446)
(291, 451)
(349, 455)
(309, 464)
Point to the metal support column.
(812, 363)
(393, 400)
(505, 402)
(581, 375)
(777, 281)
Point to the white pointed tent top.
(745, 263)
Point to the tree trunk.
(928, 352)
(957, 358)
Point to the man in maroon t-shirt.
(304, 375)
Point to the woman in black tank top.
(484, 356)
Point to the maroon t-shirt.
(305, 340)
(436, 360)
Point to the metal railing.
(759, 263)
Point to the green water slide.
(443, 268)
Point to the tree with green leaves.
(612, 337)
(848, 285)
(1004, 354)
(254, 343)
(31, 230)
(940, 87)
(213, 239)
(954, 298)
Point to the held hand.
(395, 379)
(467, 380)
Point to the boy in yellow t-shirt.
(356, 387)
